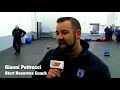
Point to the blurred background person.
(17, 33)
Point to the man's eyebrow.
(61, 30)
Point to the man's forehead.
(16, 26)
(63, 25)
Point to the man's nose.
(60, 36)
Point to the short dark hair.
(75, 23)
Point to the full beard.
(68, 48)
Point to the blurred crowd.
(110, 31)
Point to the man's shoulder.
(21, 29)
(48, 56)
(13, 29)
(95, 59)
(51, 52)
(97, 63)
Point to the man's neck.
(76, 51)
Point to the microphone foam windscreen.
(57, 64)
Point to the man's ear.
(78, 33)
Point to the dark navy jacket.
(107, 30)
(118, 33)
(17, 34)
(86, 65)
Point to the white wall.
(85, 18)
(48, 19)
(8, 20)
(117, 18)
(5, 42)
(111, 18)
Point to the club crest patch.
(80, 73)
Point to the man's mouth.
(62, 44)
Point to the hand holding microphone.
(56, 68)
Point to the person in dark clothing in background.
(118, 36)
(17, 33)
(107, 34)
(115, 31)
(111, 33)
(79, 62)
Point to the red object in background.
(103, 39)
(48, 47)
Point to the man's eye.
(64, 33)
(57, 33)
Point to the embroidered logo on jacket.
(80, 73)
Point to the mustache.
(62, 42)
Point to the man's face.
(65, 36)
(16, 27)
